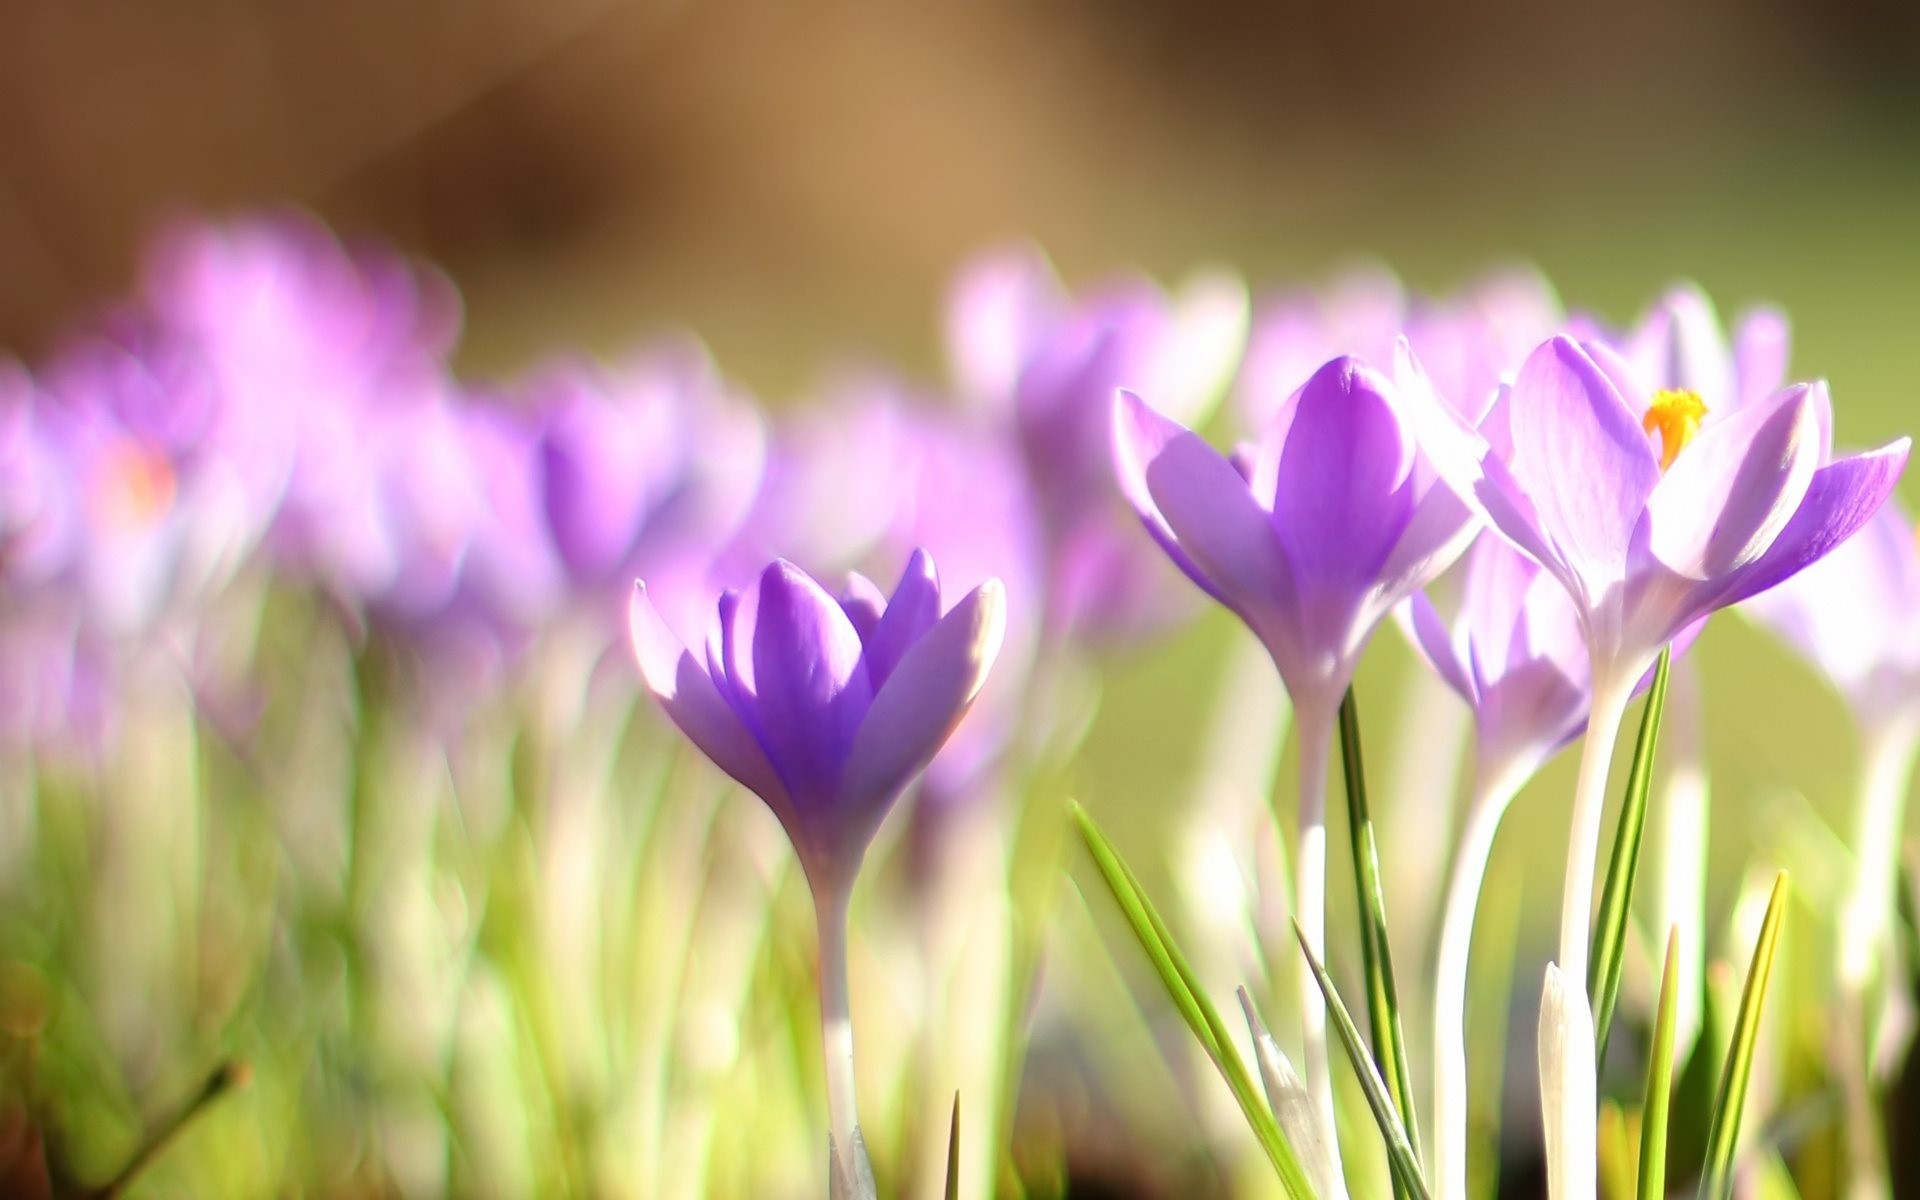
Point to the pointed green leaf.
(1716, 1179)
(1383, 1001)
(1190, 999)
(1406, 1167)
(1659, 1093)
(1610, 925)
(953, 1152)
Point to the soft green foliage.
(1716, 1180)
(1194, 1007)
(1616, 897)
(1659, 1093)
(1383, 1000)
(1406, 1165)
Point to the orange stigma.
(135, 487)
(1675, 415)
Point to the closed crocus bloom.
(1513, 649)
(1311, 536)
(1653, 512)
(826, 709)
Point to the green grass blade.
(1183, 988)
(1723, 1136)
(1406, 1167)
(1383, 1001)
(1610, 926)
(1659, 1093)
(953, 1151)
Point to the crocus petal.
(691, 700)
(1198, 506)
(1734, 488)
(1190, 363)
(1760, 349)
(1583, 459)
(927, 694)
(1339, 503)
(1429, 633)
(1841, 498)
(1000, 306)
(809, 685)
(1681, 346)
(863, 602)
(911, 612)
(1468, 466)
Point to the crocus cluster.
(1541, 503)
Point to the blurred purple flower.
(1047, 363)
(826, 709)
(644, 464)
(1855, 617)
(1469, 343)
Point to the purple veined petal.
(910, 613)
(1626, 378)
(1000, 305)
(1429, 634)
(1468, 467)
(916, 711)
(863, 602)
(1680, 346)
(1498, 582)
(1821, 401)
(1733, 489)
(1141, 435)
(1842, 497)
(809, 685)
(688, 694)
(1761, 346)
(1583, 460)
(1200, 507)
(1340, 501)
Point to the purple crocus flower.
(1511, 645)
(1653, 512)
(1311, 536)
(1469, 342)
(826, 709)
(645, 463)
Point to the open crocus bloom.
(1652, 510)
(826, 709)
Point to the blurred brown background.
(791, 177)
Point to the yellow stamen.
(1675, 415)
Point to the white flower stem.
(849, 1177)
(1887, 757)
(1314, 724)
(1488, 805)
(1610, 698)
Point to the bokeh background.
(796, 183)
